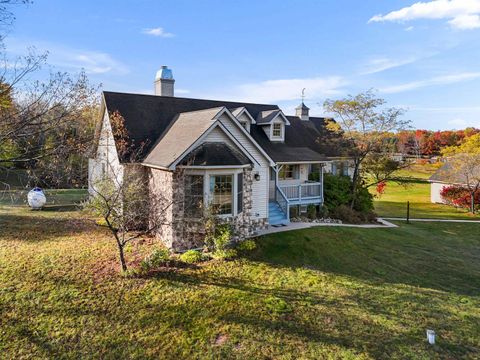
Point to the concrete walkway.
(383, 224)
(435, 220)
(305, 225)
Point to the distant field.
(393, 203)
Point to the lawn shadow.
(62, 208)
(332, 320)
(380, 256)
(41, 228)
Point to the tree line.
(47, 117)
(429, 143)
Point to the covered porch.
(294, 184)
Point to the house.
(251, 161)
(446, 176)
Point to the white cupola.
(302, 111)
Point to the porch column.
(321, 180)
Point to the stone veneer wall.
(182, 233)
(246, 224)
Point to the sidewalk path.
(305, 225)
(435, 220)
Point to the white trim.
(280, 113)
(301, 162)
(208, 197)
(245, 111)
(154, 166)
(249, 137)
(280, 138)
(214, 167)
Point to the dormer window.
(245, 125)
(277, 130)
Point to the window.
(239, 193)
(193, 201)
(288, 172)
(244, 124)
(277, 130)
(340, 168)
(314, 174)
(221, 189)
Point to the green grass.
(56, 198)
(393, 203)
(339, 293)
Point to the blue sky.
(424, 57)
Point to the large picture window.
(221, 189)
(277, 130)
(193, 202)
(288, 172)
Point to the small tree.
(463, 166)
(122, 199)
(367, 125)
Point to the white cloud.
(158, 31)
(458, 122)
(465, 22)
(381, 64)
(271, 91)
(461, 123)
(439, 80)
(409, 28)
(461, 14)
(66, 58)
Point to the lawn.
(393, 203)
(318, 293)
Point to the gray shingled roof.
(186, 129)
(446, 174)
(215, 154)
(264, 117)
(302, 106)
(148, 117)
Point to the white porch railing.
(303, 193)
(283, 202)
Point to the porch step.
(276, 215)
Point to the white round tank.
(36, 198)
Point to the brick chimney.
(164, 82)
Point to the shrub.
(223, 236)
(219, 235)
(191, 256)
(459, 196)
(337, 191)
(158, 258)
(364, 201)
(347, 215)
(312, 211)
(247, 245)
(323, 212)
(225, 254)
(293, 212)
